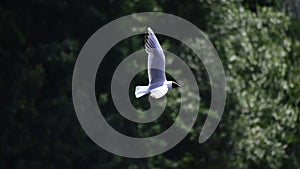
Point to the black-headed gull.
(158, 85)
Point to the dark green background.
(258, 43)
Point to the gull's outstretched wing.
(156, 60)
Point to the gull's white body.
(155, 93)
(158, 85)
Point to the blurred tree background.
(258, 43)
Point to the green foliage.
(262, 77)
(258, 42)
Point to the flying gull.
(158, 85)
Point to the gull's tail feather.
(141, 91)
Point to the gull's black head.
(175, 85)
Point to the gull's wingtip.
(149, 29)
